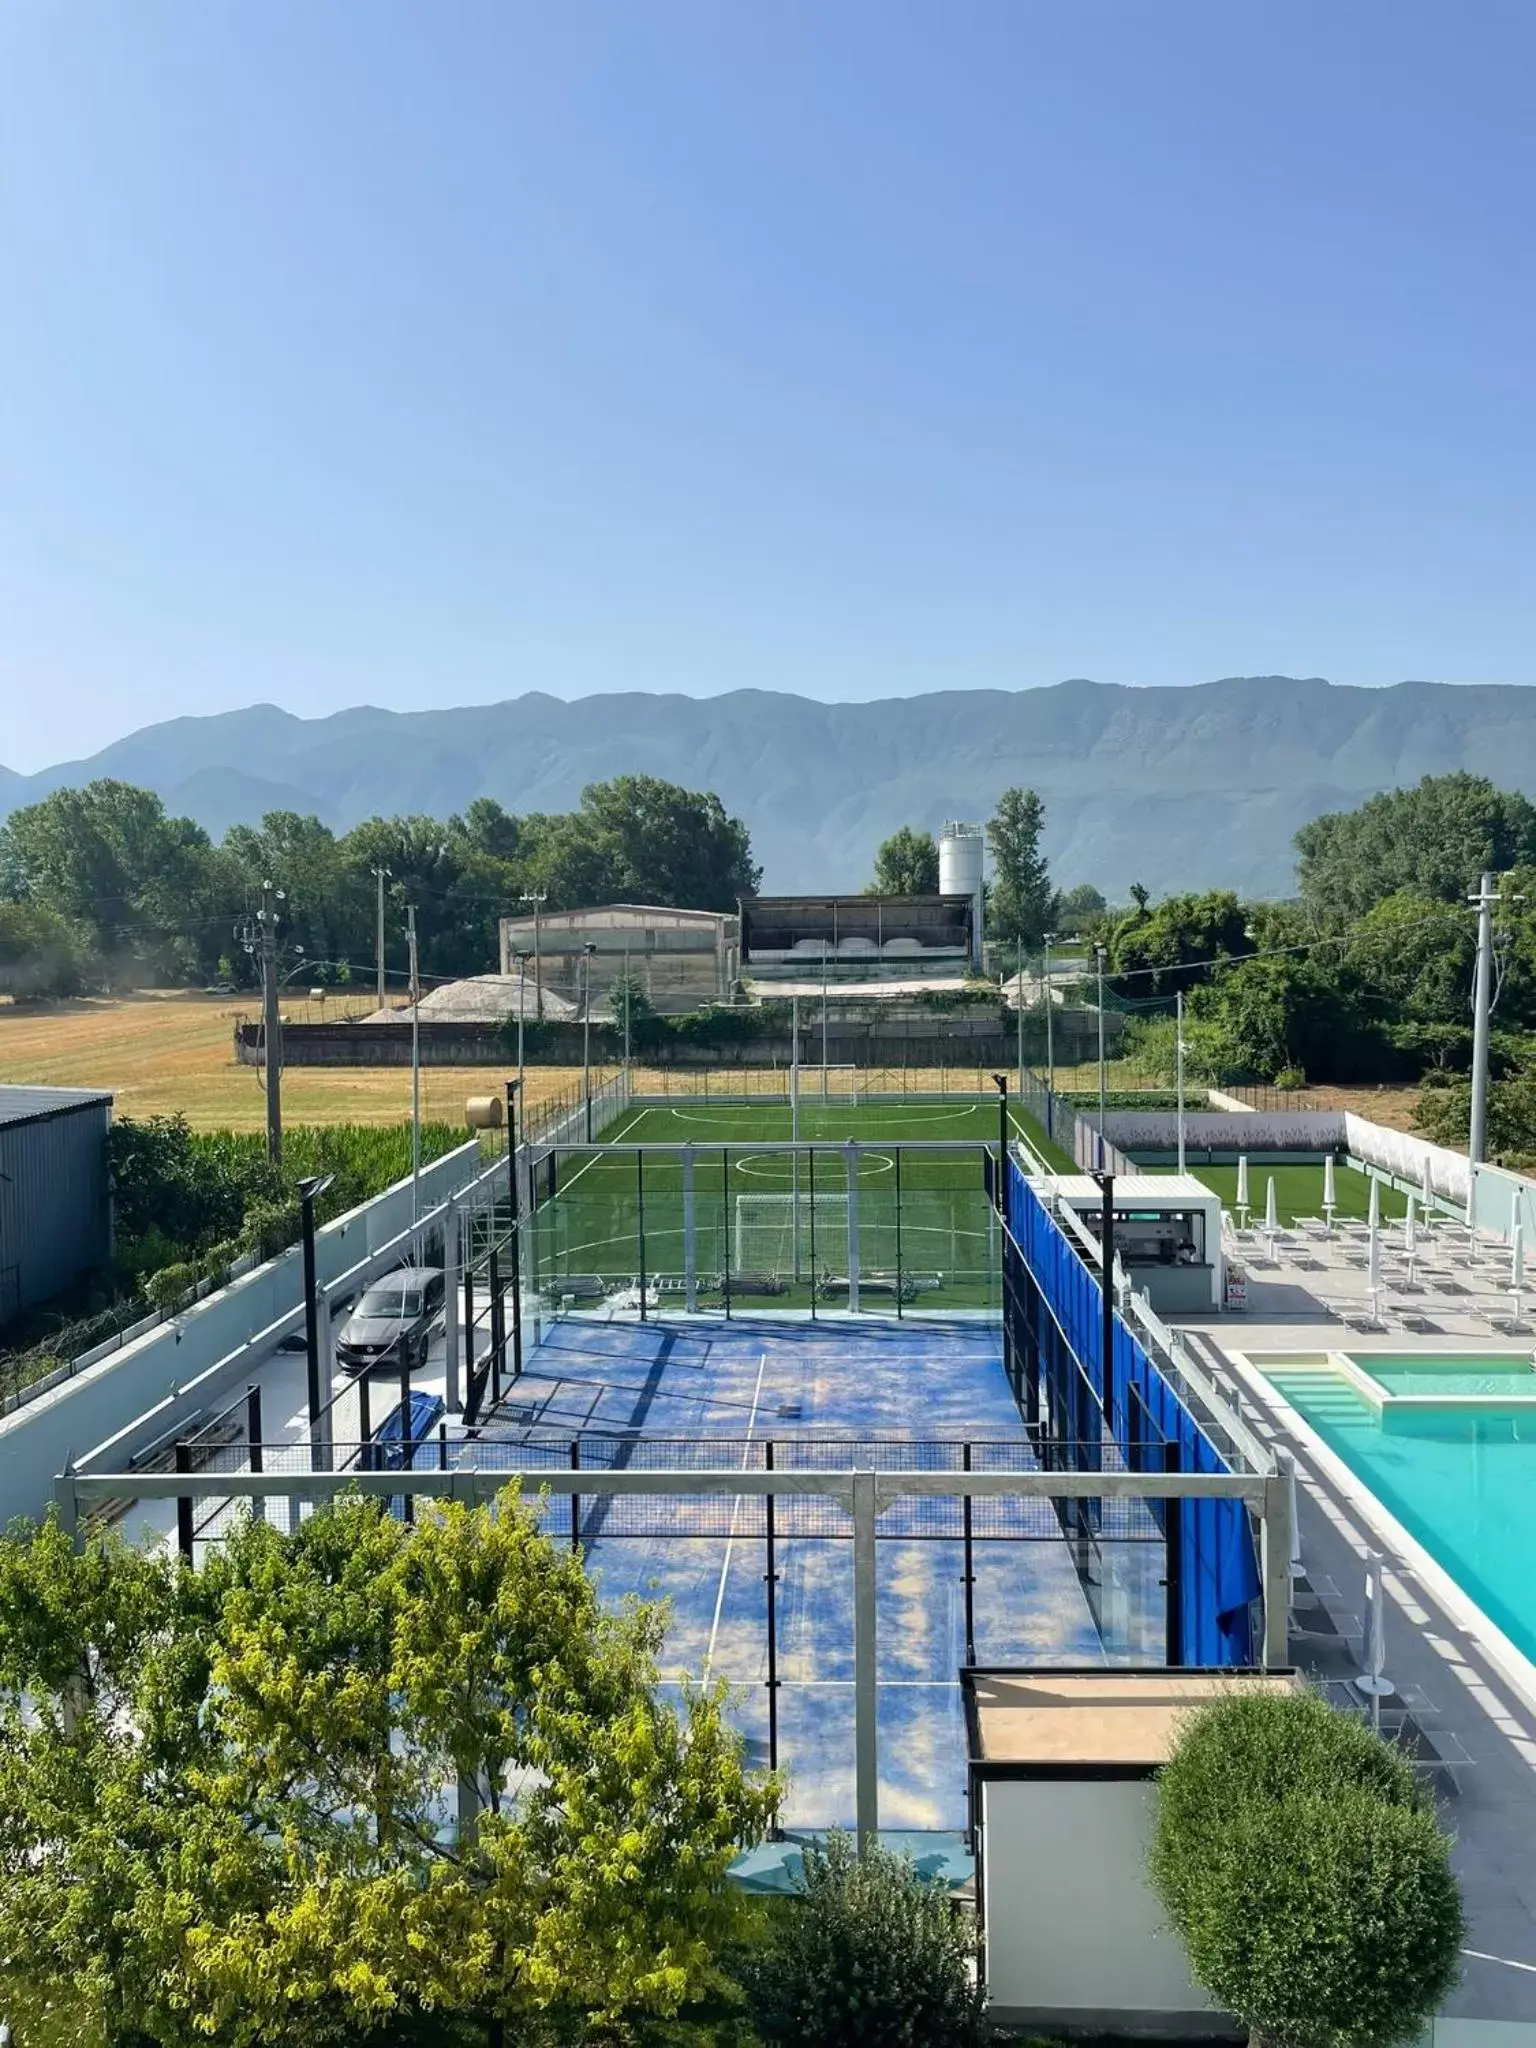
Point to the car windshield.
(380, 1302)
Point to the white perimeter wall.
(73, 1417)
(1072, 1926)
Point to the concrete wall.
(70, 1419)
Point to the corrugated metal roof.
(20, 1105)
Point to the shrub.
(870, 1956)
(1303, 1865)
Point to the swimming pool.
(1448, 1445)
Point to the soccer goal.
(780, 1233)
(823, 1084)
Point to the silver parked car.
(393, 1321)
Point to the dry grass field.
(162, 1053)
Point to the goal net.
(791, 1233)
(824, 1084)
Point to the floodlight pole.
(522, 998)
(537, 899)
(1482, 1004)
(1178, 1063)
(586, 1032)
(271, 1020)
(516, 1229)
(1050, 1041)
(1000, 1082)
(309, 1188)
(823, 1020)
(380, 875)
(1100, 951)
(1106, 1183)
(410, 927)
(1019, 1006)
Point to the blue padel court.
(685, 1393)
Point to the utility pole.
(271, 1020)
(1050, 1036)
(537, 899)
(380, 874)
(410, 928)
(1482, 1004)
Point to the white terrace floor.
(1310, 1290)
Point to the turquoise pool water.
(1462, 1481)
(1512, 1376)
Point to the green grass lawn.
(925, 1226)
(1298, 1190)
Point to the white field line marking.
(730, 1541)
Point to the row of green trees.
(100, 885)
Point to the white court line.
(730, 1541)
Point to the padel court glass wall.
(1054, 1354)
(893, 1228)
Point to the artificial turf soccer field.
(926, 1235)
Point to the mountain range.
(1174, 787)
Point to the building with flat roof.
(856, 938)
(55, 1201)
(683, 958)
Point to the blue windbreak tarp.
(1220, 1575)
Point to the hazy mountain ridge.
(820, 784)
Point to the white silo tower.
(961, 852)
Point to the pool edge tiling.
(1423, 1535)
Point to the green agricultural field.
(772, 1229)
(1298, 1190)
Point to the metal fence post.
(969, 1580)
(771, 1580)
(254, 1455)
(576, 1497)
(454, 1381)
(364, 1423)
(184, 1502)
(640, 1222)
(1173, 1566)
(690, 1269)
(1275, 1540)
(866, 1687)
(498, 1317)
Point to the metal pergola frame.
(865, 1493)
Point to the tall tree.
(1433, 840)
(907, 864)
(146, 888)
(222, 1792)
(1021, 897)
(638, 839)
(1157, 952)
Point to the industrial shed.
(55, 1202)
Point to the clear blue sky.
(355, 351)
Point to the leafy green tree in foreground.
(227, 1797)
(907, 864)
(1302, 1863)
(871, 1955)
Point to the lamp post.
(1000, 1082)
(1100, 951)
(514, 1092)
(823, 1020)
(410, 926)
(586, 1032)
(1178, 1049)
(1019, 1007)
(1050, 1036)
(314, 1185)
